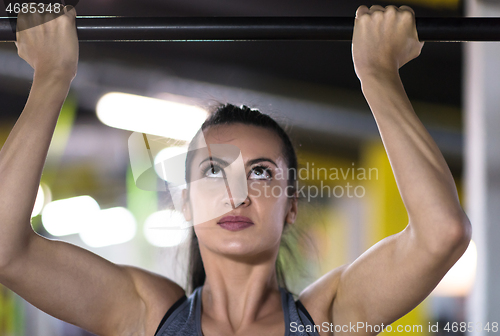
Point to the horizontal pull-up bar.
(112, 28)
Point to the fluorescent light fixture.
(43, 197)
(109, 227)
(39, 201)
(164, 228)
(460, 278)
(68, 216)
(150, 115)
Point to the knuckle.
(364, 19)
(362, 10)
(391, 9)
(377, 8)
(406, 8)
(377, 15)
(407, 15)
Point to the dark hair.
(230, 114)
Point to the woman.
(240, 294)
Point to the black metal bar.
(260, 29)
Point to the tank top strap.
(197, 315)
(298, 322)
(286, 312)
(185, 319)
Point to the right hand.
(384, 39)
(50, 46)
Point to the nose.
(245, 203)
(236, 188)
(234, 201)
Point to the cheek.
(274, 191)
(208, 199)
(205, 191)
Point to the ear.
(292, 209)
(186, 206)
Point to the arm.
(61, 279)
(396, 274)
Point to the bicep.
(389, 280)
(76, 286)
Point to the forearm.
(22, 158)
(422, 175)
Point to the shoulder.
(158, 294)
(318, 297)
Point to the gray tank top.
(184, 317)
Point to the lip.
(235, 223)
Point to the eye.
(261, 173)
(213, 171)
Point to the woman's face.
(214, 201)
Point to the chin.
(221, 243)
(236, 252)
(250, 250)
(237, 246)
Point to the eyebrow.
(211, 158)
(254, 161)
(249, 163)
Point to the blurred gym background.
(309, 86)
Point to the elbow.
(446, 237)
(6, 260)
(455, 238)
(462, 233)
(4, 264)
(11, 253)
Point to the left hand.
(384, 39)
(49, 42)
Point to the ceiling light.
(67, 216)
(150, 115)
(164, 228)
(109, 227)
(460, 278)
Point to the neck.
(239, 292)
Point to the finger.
(391, 7)
(70, 9)
(406, 8)
(376, 8)
(361, 10)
